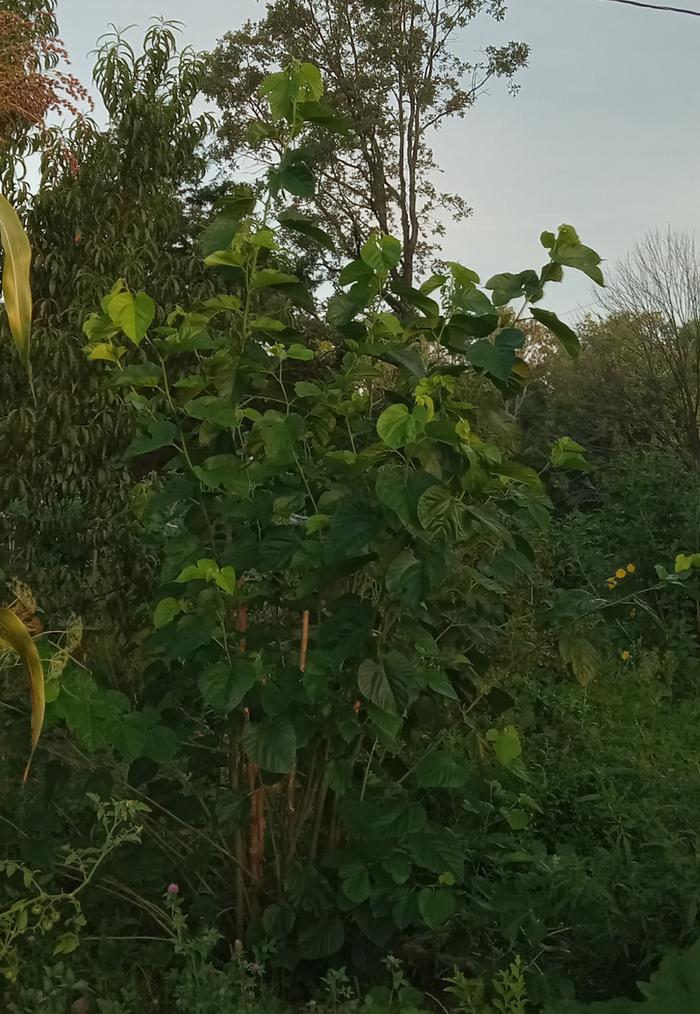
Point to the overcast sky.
(603, 134)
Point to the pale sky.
(604, 133)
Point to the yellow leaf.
(15, 635)
(16, 290)
(581, 655)
(105, 351)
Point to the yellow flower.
(612, 583)
(631, 568)
(620, 574)
(626, 656)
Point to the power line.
(657, 7)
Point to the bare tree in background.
(654, 299)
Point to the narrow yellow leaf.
(15, 635)
(16, 289)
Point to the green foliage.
(638, 519)
(674, 987)
(508, 989)
(334, 536)
(36, 909)
(110, 204)
(614, 780)
(373, 700)
(568, 455)
(567, 337)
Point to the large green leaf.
(441, 769)
(675, 986)
(493, 359)
(581, 654)
(568, 456)
(297, 222)
(392, 491)
(507, 286)
(279, 920)
(324, 116)
(220, 232)
(280, 433)
(218, 411)
(161, 433)
(322, 939)
(271, 744)
(16, 289)
(373, 682)
(223, 685)
(406, 356)
(401, 818)
(355, 271)
(161, 744)
(310, 81)
(440, 513)
(281, 90)
(208, 570)
(271, 278)
(238, 204)
(396, 426)
(436, 906)
(132, 312)
(166, 611)
(226, 471)
(510, 338)
(416, 298)
(439, 683)
(294, 175)
(506, 744)
(404, 578)
(385, 684)
(480, 326)
(381, 253)
(464, 277)
(129, 735)
(560, 330)
(398, 866)
(218, 235)
(344, 306)
(357, 886)
(568, 250)
(352, 528)
(138, 375)
(437, 849)
(472, 301)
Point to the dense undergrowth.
(388, 704)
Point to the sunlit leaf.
(15, 635)
(16, 289)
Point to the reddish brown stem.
(304, 640)
(242, 623)
(255, 824)
(238, 839)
